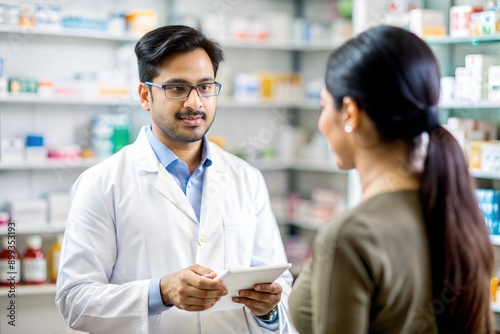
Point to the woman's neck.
(386, 168)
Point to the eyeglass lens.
(181, 91)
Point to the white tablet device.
(245, 278)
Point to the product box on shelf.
(494, 83)
(28, 213)
(485, 156)
(427, 23)
(460, 19)
(489, 23)
(59, 204)
(481, 62)
(472, 81)
(470, 130)
(12, 150)
(490, 157)
(489, 201)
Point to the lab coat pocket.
(239, 234)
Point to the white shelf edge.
(71, 33)
(464, 104)
(285, 45)
(222, 102)
(495, 239)
(485, 175)
(34, 99)
(281, 45)
(55, 164)
(228, 102)
(448, 40)
(271, 165)
(48, 228)
(29, 290)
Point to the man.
(150, 227)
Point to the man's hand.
(261, 299)
(192, 289)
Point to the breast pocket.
(239, 234)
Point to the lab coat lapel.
(217, 179)
(165, 183)
(167, 186)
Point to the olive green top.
(370, 272)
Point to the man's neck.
(189, 153)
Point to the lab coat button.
(201, 241)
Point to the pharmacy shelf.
(65, 33)
(34, 99)
(280, 45)
(464, 104)
(47, 228)
(222, 102)
(227, 102)
(29, 290)
(495, 240)
(50, 164)
(300, 165)
(226, 43)
(473, 40)
(485, 175)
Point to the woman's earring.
(348, 128)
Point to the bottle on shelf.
(10, 264)
(54, 253)
(34, 264)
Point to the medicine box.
(460, 19)
(32, 212)
(58, 204)
(494, 83)
(12, 150)
(427, 23)
(481, 62)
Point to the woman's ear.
(351, 114)
(144, 96)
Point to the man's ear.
(145, 96)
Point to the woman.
(414, 256)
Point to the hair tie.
(432, 118)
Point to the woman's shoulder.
(377, 219)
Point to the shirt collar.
(167, 157)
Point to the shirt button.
(201, 241)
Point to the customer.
(150, 227)
(414, 256)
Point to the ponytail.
(461, 253)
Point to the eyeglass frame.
(195, 87)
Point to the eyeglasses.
(181, 91)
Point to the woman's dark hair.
(166, 41)
(394, 77)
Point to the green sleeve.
(342, 280)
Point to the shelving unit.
(29, 33)
(51, 164)
(42, 229)
(472, 40)
(30, 290)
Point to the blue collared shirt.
(190, 184)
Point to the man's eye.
(177, 88)
(205, 87)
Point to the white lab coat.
(130, 222)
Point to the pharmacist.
(151, 226)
